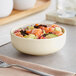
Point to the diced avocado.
(51, 36)
(44, 31)
(30, 27)
(58, 29)
(26, 36)
(26, 29)
(31, 36)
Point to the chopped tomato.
(42, 37)
(28, 31)
(36, 24)
(54, 25)
(17, 30)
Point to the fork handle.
(32, 70)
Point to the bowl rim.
(22, 26)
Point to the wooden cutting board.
(16, 14)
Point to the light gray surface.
(65, 59)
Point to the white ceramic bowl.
(6, 7)
(24, 4)
(38, 46)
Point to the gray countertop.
(65, 59)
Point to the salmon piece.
(51, 29)
(18, 34)
(41, 27)
(46, 30)
(37, 32)
(58, 33)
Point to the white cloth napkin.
(13, 71)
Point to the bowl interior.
(24, 26)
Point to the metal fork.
(5, 65)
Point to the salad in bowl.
(38, 39)
(39, 31)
